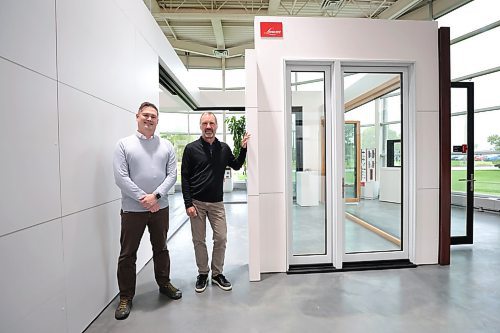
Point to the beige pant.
(217, 218)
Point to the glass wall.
(474, 59)
(182, 127)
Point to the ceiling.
(198, 29)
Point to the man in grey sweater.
(145, 168)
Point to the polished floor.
(462, 297)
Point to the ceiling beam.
(212, 63)
(195, 48)
(273, 7)
(439, 8)
(191, 47)
(201, 14)
(219, 33)
(239, 50)
(397, 9)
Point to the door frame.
(334, 122)
(327, 68)
(408, 161)
(469, 232)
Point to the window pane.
(302, 79)
(179, 141)
(364, 113)
(368, 137)
(393, 107)
(470, 17)
(487, 124)
(458, 100)
(235, 78)
(207, 78)
(486, 91)
(459, 130)
(475, 54)
(172, 122)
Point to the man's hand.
(245, 139)
(148, 201)
(191, 211)
(154, 208)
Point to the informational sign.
(363, 166)
(371, 161)
(460, 149)
(271, 29)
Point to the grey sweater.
(144, 166)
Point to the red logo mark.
(271, 29)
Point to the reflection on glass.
(374, 222)
(308, 163)
(458, 163)
(352, 151)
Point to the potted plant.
(237, 127)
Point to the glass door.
(308, 159)
(462, 162)
(375, 222)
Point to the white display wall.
(72, 76)
(334, 39)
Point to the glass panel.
(461, 54)
(172, 122)
(351, 161)
(179, 141)
(235, 78)
(207, 78)
(486, 91)
(458, 165)
(472, 16)
(368, 137)
(364, 114)
(373, 224)
(308, 168)
(487, 153)
(458, 101)
(392, 107)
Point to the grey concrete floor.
(462, 297)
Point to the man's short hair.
(208, 114)
(147, 104)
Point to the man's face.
(147, 119)
(208, 126)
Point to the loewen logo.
(271, 29)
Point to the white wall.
(72, 76)
(349, 39)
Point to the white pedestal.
(308, 187)
(370, 190)
(228, 181)
(390, 184)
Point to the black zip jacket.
(203, 170)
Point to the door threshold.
(377, 265)
(350, 266)
(310, 268)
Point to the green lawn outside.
(487, 181)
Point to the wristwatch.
(157, 196)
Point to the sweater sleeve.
(234, 162)
(186, 179)
(122, 177)
(171, 171)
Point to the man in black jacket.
(203, 165)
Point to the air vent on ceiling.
(331, 4)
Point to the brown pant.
(133, 226)
(217, 218)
